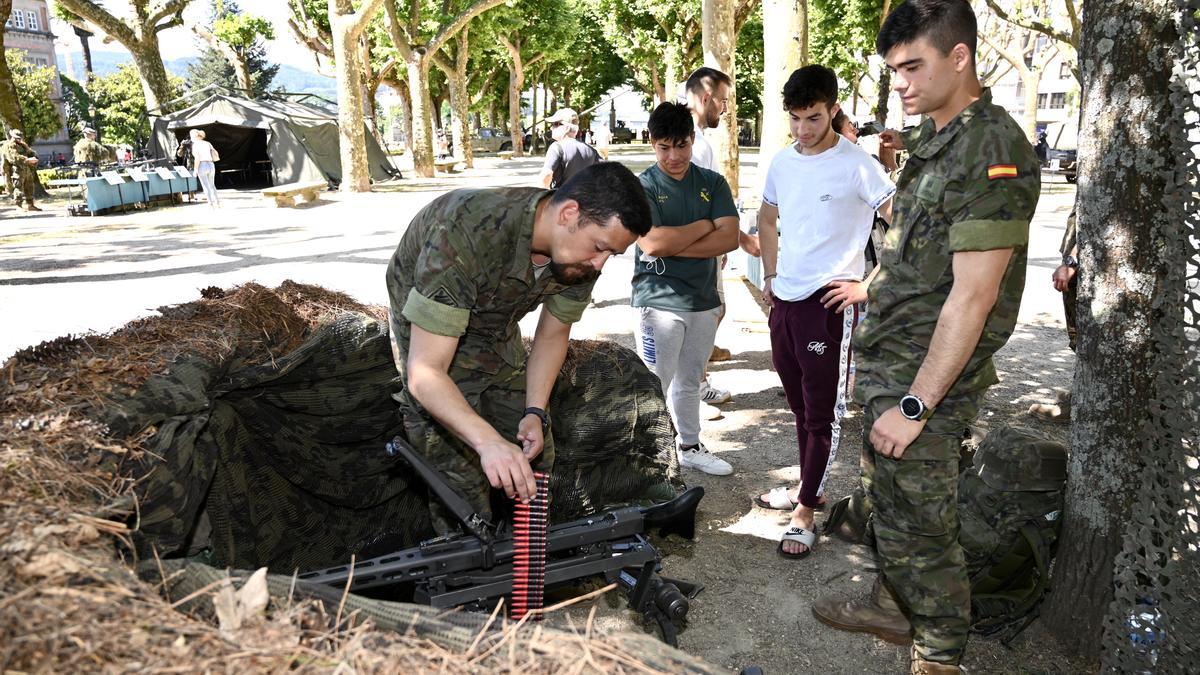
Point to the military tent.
(270, 141)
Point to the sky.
(180, 42)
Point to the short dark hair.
(839, 121)
(671, 122)
(706, 78)
(944, 22)
(608, 189)
(809, 86)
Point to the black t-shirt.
(568, 157)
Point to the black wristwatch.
(1071, 261)
(541, 414)
(912, 407)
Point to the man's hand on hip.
(842, 294)
(507, 469)
(892, 433)
(1062, 277)
(529, 432)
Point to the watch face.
(910, 406)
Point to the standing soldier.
(945, 300)
(19, 162)
(88, 151)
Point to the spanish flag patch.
(1002, 171)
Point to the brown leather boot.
(878, 614)
(919, 666)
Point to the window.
(33, 20)
(1058, 101)
(1064, 71)
(18, 20)
(1041, 101)
(1020, 89)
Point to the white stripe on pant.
(676, 346)
(849, 320)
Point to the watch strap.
(541, 414)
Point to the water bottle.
(1144, 632)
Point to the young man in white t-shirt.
(824, 192)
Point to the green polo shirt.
(463, 270)
(675, 283)
(973, 186)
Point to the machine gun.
(473, 570)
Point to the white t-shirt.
(603, 136)
(826, 206)
(202, 151)
(702, 152)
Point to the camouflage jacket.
(87, 150)
(463, 269)
(973, 186)
(14, 153)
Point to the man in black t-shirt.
(566, 156)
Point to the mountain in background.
(289, 78)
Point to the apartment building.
(28, 29)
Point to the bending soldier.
(470, 265)
(19, 162)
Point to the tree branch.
(177, 21)
(400, 40)
(457, 23)
(313, 42)
(1017, 60)
(100, 18)
(167, 9)
(1034, 25)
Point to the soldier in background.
(89, 152)
(19, 163)
(470, 265)
(1066, 281)
(945, 300)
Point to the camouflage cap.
(1017, 458)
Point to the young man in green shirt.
(695, 221)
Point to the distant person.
(1042, 148)
(19, 163)
(183, 153)
(205, 158)
(88, 150)
(566, 156)
(603, 139)
(1066, 281)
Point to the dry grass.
(69, 599)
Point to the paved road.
(61, 274)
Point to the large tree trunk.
(420, 142)
(785, 48)
(347, 25)
(516, 82)
(155, 84)
(720, 47)
(1128, 416)
(10, 109)
(885, 94)
(460, 100)
(1030, 79)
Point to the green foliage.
(34, 91)
(78, 106)
(592, 67)
(242, 31)
(121, 106)
(842, 36)
(245, 34)
(749, 68)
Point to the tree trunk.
(534, 126)
(155, 84)
(885, 93)
(516, 82)
(460, 117)
(1031, 79)
(420, 143)
(10, 108)
(785, 48)
(352, 141)
(660, 94)
(1124, 471)
(720, 48)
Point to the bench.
(285, 195)
(447, 165)
(505, 154)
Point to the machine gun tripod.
(473, 570)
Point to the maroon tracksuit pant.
(810, 347)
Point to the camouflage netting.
(1154, 618)
(274, 401)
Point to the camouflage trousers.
(1071, 310)
(499, 399)
(23, 188)
(915, 524)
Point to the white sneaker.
(699, 458)
(710, 412)
(711, 395)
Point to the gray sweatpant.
(676, 346)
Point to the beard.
(713, 117)
(573, 274)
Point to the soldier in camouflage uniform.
(88, 150)
(18, 162)
(471, 264)
(953, 269)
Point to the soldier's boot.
(878, 614)
(919, 666)
(31, 207)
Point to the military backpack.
(1010, 500)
